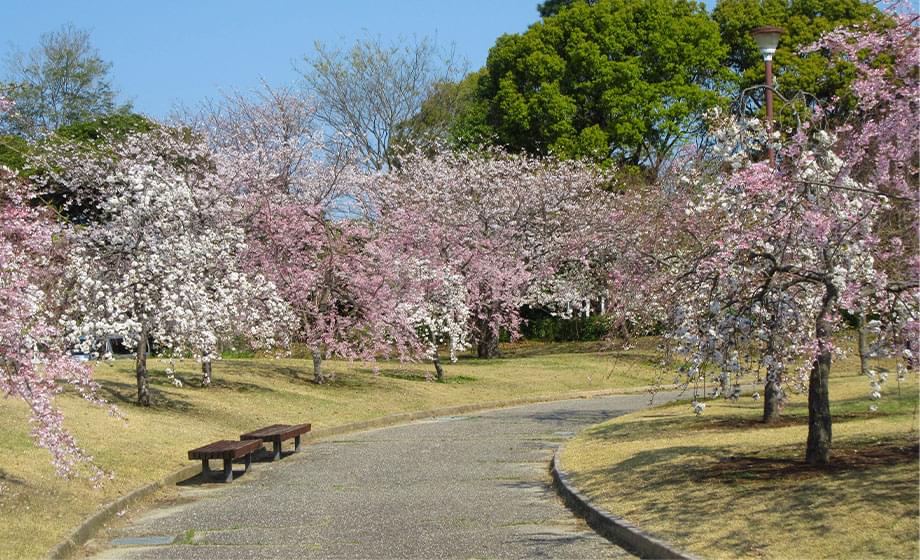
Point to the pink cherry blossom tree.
(786, 249)
(301, 209)
(34, 361)
(516, 229)
(349, 293)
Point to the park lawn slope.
(38, 509)
(724, 485)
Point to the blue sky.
(168, 51)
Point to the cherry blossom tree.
(266, 142)
(159, 255)
(34, 362)
(516, 229)
(341, 283)
(785, 250)
(440, 313)
(301, 210)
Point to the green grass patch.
(724, 485)
(38, 509)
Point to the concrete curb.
(96, 521)
(92, 524)
(615, 529)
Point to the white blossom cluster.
(439, 309)
(160, 257)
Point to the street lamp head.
(767, 37)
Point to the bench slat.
(282, 431)
(225, 448)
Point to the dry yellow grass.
(722, 485)
(37, 509)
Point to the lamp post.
(767, 38)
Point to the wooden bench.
(276, 434)
(227, 450)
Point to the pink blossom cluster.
(514, 230)
(34, 358)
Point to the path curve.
(474, 486)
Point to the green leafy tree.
(552, 7)
(815, 75)
(61, 81)
(446, 117)
(619, 80)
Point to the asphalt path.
(475, 486)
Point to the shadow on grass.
(748, 417)
(194, 382)
(848, 455)
(265, 369)
(126, 394)
(404, 375)
(683, 483)
(8, 481)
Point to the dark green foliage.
(117, 125)
(543, 326)
(620, 80)
(552, 7)
(804, 21)
(13, 151)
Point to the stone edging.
(92, 524)
(614, 528)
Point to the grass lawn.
(723, 485)
(37, 509)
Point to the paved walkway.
(474, 486)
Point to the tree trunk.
(818, 451)
(206, 373)
(318, 367)
(863, 344)
(819, 414)
(436, 359)
(772, 395)
(487, 342)
(438, 370)
(143, 385)
(772, 388)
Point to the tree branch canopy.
(364, 92)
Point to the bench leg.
(205, 466)
(276, 447)
(228, 470)
(247, 462)
(296, 443)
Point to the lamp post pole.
(767, 38)
(769, 82)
